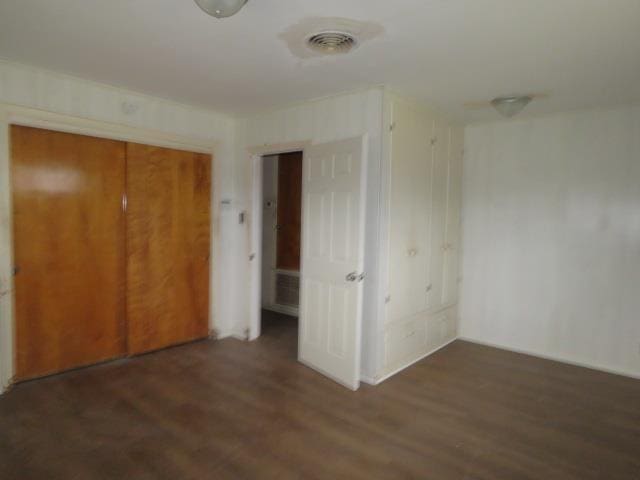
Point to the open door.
(332, 259)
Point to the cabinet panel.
(408, 340)
(440, 154)
(410, 211)
(405, 341)
(452, 228)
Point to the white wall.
(318, 121)
(61, 94)
(551, 229)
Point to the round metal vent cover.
(332, 41)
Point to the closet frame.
(30, 117)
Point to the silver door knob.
(355, 277)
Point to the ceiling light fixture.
(511, 105)
(221, 8)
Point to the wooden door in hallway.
(289, 207)
(69, 250)
(168, 245)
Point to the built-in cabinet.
(412, 226)
(422, 208)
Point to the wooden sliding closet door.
(68, 250)
(168, 244)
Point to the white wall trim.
(555, 358)
(18, 115)
(368, 380)
(32, 117)
(386, 376)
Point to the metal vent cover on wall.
(287, 289)
(332, 41)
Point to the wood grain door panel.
(168, 245)
(289, 206)
(69, 247)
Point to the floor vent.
(287, 289)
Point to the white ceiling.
(582, 53)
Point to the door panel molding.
(333, 238)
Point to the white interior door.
(333, 203)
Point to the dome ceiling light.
(511, 105)
(221, 8)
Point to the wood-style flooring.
(237, 410)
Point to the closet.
(111, 248)
(424, 155)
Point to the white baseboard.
(236, 335)
(367, 379)
(327, 374)
(575, 363)
(6, 386)
(377, 381)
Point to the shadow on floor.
(280, 332)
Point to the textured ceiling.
(582, 53)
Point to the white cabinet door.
(333, 259)
(409, 211)
(439, 212)
(452, 228)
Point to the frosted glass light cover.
(221, 8)
(509, 106)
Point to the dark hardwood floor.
(236, 410)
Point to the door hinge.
(387, 299)
(392, 125)
(434, 140)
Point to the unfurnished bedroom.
(296, 239)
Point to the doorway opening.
(319, 251)
(280, 252)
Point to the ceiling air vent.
(332, 42)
